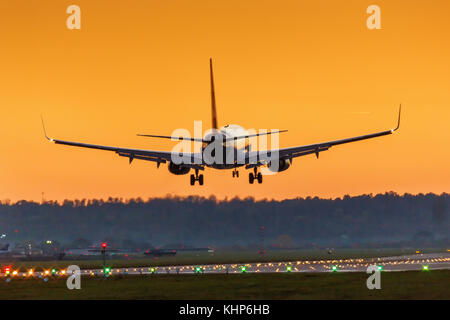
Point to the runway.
(424, 262)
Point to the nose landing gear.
(196, 177)
(235, 173)
(256, 175)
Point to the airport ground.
(394, 285)
(405, 275)
(218, 257)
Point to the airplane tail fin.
(213, 98)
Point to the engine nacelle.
(283, 164)
(178, 169)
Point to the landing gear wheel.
(237, 174)
(192, 179)
(233, 174)
(200, 179)
(251, 178)
(259, 177)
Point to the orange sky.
(311, 67)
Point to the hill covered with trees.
(200, 221)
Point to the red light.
(104, 245)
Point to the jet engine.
(283, 164)
(178, 169)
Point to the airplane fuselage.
(232, 150)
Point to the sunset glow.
(313, 68)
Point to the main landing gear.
(196, 177)
(255, 175)
(235, 173)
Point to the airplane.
(229, 138)
(5, 250)
(158, 252)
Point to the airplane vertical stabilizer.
(213, 98)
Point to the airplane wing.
(288, 153)
(193, 160)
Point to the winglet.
(398, 123)
(45, 132)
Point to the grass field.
(220, 257)
(394, 285)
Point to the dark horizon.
(211, 197)
(359, 220)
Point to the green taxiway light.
(243, 269)
(152, 270)
(107, 270)
(289, 268)
(380, 268)
(334, 268)
(425, 268)
(198, 270)
(53, 271)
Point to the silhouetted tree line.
(206, 221)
